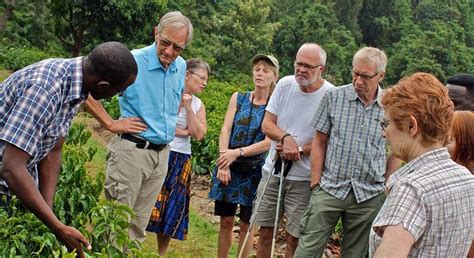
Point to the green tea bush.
(14, 58)
(112, 107)
(103, 223)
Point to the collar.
(75, 91)
(154, 61)
(410, 167)
(353, 95)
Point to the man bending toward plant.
(37, 104)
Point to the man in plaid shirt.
(349, 162)
(37, 104)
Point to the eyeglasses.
(384, 124)
(166, 43)
(203, 79)
(306, 66)
(364, 77)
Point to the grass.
(201, 242)
(98, 161)
(202, 236)
(3, 74)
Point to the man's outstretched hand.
(73, 239)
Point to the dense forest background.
(435, 36)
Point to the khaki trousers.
(134, 177)
(322, 215)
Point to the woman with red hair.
(461, 146)
(429, 211)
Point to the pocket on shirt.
(175, 99)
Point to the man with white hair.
(348, 161)
(137, 159)
(286, 122)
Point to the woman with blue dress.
(170, 216)
(241, 136)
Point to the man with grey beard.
(287, 123)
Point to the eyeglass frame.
(203, 79)
(306, 66)
(364, 77)
(384, 124)
(167, 43)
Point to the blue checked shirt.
(37, 104)
(433, 198)
(356, 151)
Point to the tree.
(440, 51)
(316, 23)
(84, 23)
(26, 23)
(385, 22)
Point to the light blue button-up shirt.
(356, 151)
(155, 95)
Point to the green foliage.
(104, 223)
(3, 74)
(14, 58)
(22, 233)
(28, 24)
(77, 192)
(231, 33)
(446, 53)
(112, 107)
(314, 23)
(84, 24)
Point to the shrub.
(112, 107)
(104, 223)
(16, 58)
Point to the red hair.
(424, 97)
(462, 131)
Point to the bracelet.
(283, 138)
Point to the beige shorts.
(293, 202)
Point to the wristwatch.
(300, 150)
(241, 152)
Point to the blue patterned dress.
(242, 188)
